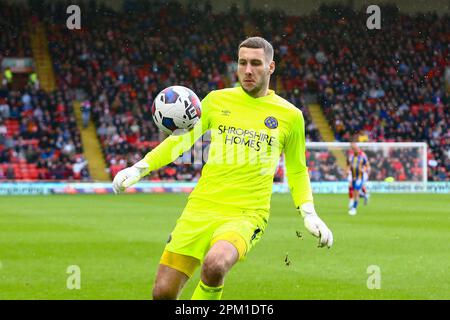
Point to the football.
(176, 109)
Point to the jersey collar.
(270, 93)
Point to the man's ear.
(272, 67)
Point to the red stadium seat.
(115, 168)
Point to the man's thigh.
(198, 229)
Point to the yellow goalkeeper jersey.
(248, 136)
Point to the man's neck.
(259, 94)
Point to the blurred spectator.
(33, 80)
(7, 77)
(10, 175)
(86, 113)
(3, 132)
(4, 108)
(78, 166)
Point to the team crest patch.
(271, 122)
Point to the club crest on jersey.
(271, 122)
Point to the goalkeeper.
(227, 212)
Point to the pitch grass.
(117, 241)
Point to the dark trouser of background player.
(363, 193)
(350, 196)
(356, 189)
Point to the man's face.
(254, 71)
(354, 147)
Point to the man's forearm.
(300, 187)
(167, 151)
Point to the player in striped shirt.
(358, 168)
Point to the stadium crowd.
(390, 86)
(14, 36)
(386, 86)
(39, 138)
(122, 68)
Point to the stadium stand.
(38, 135)
(377, 84)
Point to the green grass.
(117, 242)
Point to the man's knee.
(215, 266)
(164, 291)
(219, 260)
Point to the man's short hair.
(259, 43)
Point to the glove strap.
(143, 167)
(306, 209)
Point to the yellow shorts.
(202, 224)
